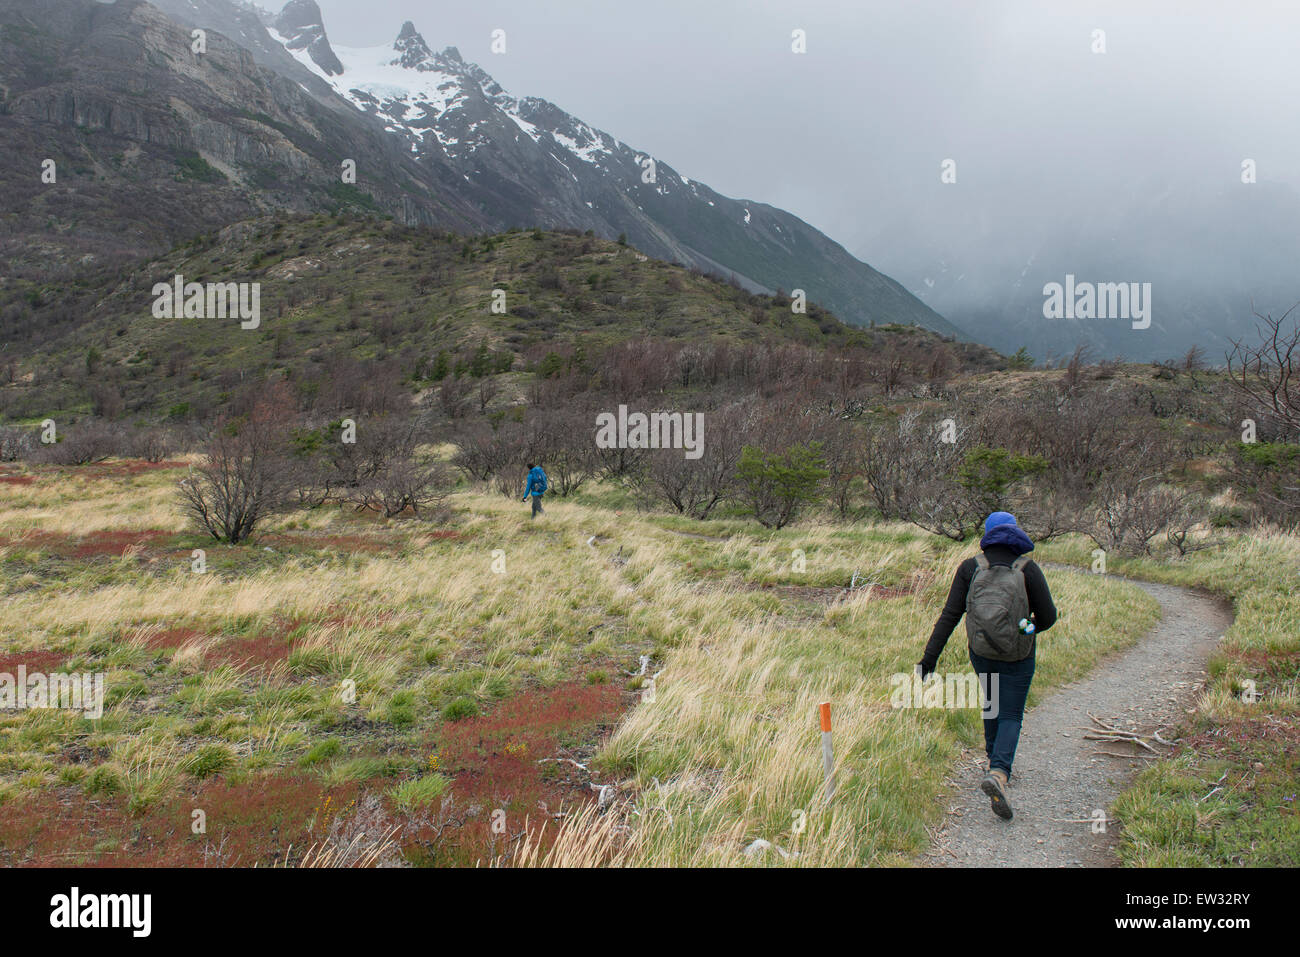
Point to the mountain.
(151, 143)
(526, 161)
(302, 29)
(155, 143)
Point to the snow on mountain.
(524, 161)
(420, 94)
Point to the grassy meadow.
(350, 690)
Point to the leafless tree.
(246, 474)
(88, 441)
(1267, 373)
(16, 444)
(695, 487)
(153, 445)
(488, 389)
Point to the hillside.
(153, 143)
(527, 161)
(347, 287)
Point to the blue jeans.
(1002, 733)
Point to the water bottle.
(1026, 626)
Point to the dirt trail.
(1060, 779)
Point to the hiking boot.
(995, 786)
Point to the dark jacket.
(1001, 545)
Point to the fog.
(1053, 144)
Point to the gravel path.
(1059, 778)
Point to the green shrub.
(321, 751)
(775, 485)
(209, 760)
(420, 792)
(460, 708)
(195, 167)
(104, 779)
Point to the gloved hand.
(925, 671)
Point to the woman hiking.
(1006, 601)
(535, 485)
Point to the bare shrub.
(247, 471)
(405, 483)
(844, 451)
(152, 445)
(106, 400)
(695, 487)
(619, 464)
(912, 473)
(17, 444)
(1267, 373)
(564, 441)
(478, 452)
(454, 396)
(1132, 507)
(513, 447)
(374, 465)
(83, 444)
(1180, 532)
(365, 386)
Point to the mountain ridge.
(156, 144)
(341, 289)
(449, 109)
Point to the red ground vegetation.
(256, 821)
(91, 545)
(501, 760)
(507, 760)
(123, 468)
(42, 661)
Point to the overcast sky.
(850, 136)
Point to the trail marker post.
(828, 752)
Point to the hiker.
(536, 487)
(1007, 605)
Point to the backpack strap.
(981, 565)
(1018, 566)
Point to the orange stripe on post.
(828, 753)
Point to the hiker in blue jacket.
(536, 487)
(1007, 603)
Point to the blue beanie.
(998, 518)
